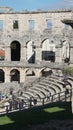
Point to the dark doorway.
(1, 76)
(15, 51)
(15, 75)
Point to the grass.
(17, 120)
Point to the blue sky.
(36, 4)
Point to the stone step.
(57, 85)
(57, 89)
(48, 86)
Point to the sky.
(19, 5)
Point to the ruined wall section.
(39, 21)
(40, 31)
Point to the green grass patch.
(5, 120)
(54, 109)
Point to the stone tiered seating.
(48, 87)
(39, 89)
(53, 85)
(38, 94)
(56, 79)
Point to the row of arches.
(15, 74)
(47, 50)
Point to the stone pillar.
(7, 53)
(72, 101)
(7, 75)
(38, 54)
(71, 54)
(23, 53)
(22, 75)
(38, 74)
(58, 55)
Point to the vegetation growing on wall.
(68, 71)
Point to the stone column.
(38, 54)
(23, 53)
(7, 75)
(38, 74)
(58, 55)
(22, 75)
(71, 54)
(72, 101)
(7, 53)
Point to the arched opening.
(15, 51)
(48, 51)
(1, 76)
(30, 76)
(15, 75)
(30, 72)
(2, 54)
(30, 52)
(46, 72)
(66, 51)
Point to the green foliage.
(68, 71)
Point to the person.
(6, 106)
(48, 95)
(21, 104)
(35, 101)
(11, 104)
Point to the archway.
(30, 52)
(30, 72)
(15, 51)
(30, 75)
(46, 72)
(48, 50)
(66, 51)
(15, 75)
(1, 76)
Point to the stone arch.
(48, 50)
(15, 75)
(30, 72)
(46, 71)
(15, 51)
(30, 52)
(2, 54)
(2, 76)
(65, 51)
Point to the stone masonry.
(30, 39)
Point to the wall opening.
(2, 54)
(15, 75)
(46, 72)
(30, 73)
(49, 23)
(15, 24)
(15, 51)
(1, 76)
(66, 51)
(31, 24)
(48, 51)
(1, 24)
(30, 52)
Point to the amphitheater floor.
(53, 125)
